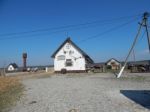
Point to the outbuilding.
(113, 64)
(12, 67)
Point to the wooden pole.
(134, 42)
(144, 23)
(146, 27)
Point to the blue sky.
(29, 15)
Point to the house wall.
(109, 63)
(11, 68)
(76, 57)
(116, 65)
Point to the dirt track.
(85, 93)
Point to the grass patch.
(11, 91)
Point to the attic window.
(68, 62)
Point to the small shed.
(12, 67)
(96, 67)
(114, 64)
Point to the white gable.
(68, 50)
(69, 53)
(11, 68)
(113, 61)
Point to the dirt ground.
(100, 92)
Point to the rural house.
(12, 67)
(113, 64)
(70, 58)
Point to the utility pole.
(146, 14)
(4, 67)
(134, 55)
(143, 23)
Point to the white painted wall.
(77, 58)
(112, 60)
(10, 68)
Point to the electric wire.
(50, 33)
(107, 31)
(69, 26)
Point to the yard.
(100, 92)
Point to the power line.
(69, 26)
(134, 49)
(142, 37)
(75, 28)
(59, 31)
(107, 31)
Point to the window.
(68, 62)
(61, 57)
(113, 63)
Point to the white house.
(70, 57)
(115, 64)
(12, 67)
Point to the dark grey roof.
(14, 65)
(81, 51)
(143, 62)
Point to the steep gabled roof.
(68, 40)
(112, 59)
(14, 65)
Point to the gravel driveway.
(84, 93)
